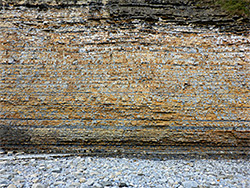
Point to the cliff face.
(75, 80)
(177, 11)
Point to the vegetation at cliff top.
(235, 7)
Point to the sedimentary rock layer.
(177, 11)
(71, 81)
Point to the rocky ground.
(40, 171)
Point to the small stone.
(213, 183)
(191, 164)
(93, 173)
(49, 166)
(97, 185)
(170, 181)
(3, 183)
(89, 160)
(36, 180)
(42, 168)
(16, 180)
(38, 185)
(189, 184)
(20, 153)
(2, 171)
(10, 153)
(34, 175)
(11, 186)
(141, 174)
(81, 167)
(123, 185)
(3, 162)
(82, 180)
(24, 163)
(59, 183)
(75, 184)
(118, 173)
(90, 182)
(57, 170)
(11, 61)
(106, 184)
(78, 174)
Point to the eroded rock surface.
(177, 11)
(76, 81)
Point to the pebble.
(82, 180)
(11, 186)
(106, 184)
(74, 184)
(36, 180)
(122, 172)
(90, 182)
(123, 185)
(10, 153)
(38, 185)
(189, 184)
(96, 184)
(3, 183)
(57, 170)
(59, 183)
(170, 181)
(2, 171)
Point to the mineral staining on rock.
(73, 78)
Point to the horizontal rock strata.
(71, 82)
(177, 11)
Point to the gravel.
(41, 171)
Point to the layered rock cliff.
(80, 79)
(177, 11)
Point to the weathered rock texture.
(178, 11)
(74, 80)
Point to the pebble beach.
(40, 171)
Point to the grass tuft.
(235, 7)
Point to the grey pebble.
(36, 180)
(89, 182)
(11, 186)
(59, 183)
(3, 183)
(2, 151)
(2, 171)
(57, 170)
(96, 184)
(74, 184)
(106, 184)
(38, 185)
(122, 172)
(189, 184)
(10, 153)
(170, 181)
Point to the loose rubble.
(41, 171)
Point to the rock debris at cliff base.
(41, 171)
(71, 80)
